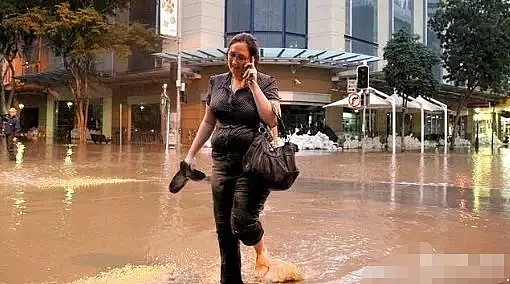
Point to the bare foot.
(262, 265)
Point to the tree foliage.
(475, 38)
(77, 31)
(409, 65)
(79, 36)
(103, 7)
(18, 30)
(409, 68)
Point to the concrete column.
(326, 24)
(129, 125)
(380, 122)
(383, 29)
(416, 124)
(499, 127)
(203, 25)
(50, 118)
(419, 19)
(334, 118)
(107, 116)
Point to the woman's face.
(238, 56)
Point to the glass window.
(275, 23)
(403, 15)
(295, 41)
(348, 17)
(363, 48)
(268, 15)
(364, 19)
(295, 16)
(361, 26)
(238, 15)
(432, 40)
(269, 39)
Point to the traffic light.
(362, 77)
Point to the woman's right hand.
(189, 171)
(190, 161)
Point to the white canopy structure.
(428, 106)
(380, 100)
(434, 106)
(411, 105)
(374, 102)
(343, 103)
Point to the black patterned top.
(236, 113)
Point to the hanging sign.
(168, 18)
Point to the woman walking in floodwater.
(236, 103)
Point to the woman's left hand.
(250, 75)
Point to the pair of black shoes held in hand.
(185, 173)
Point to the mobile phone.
(250, 76)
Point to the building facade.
(311, 47)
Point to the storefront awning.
(51, 77)
(306, 57)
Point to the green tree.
(104, 7)
(79, 36)
(475, 38)
(18, 28)
(409, 68)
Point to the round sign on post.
(355, 100)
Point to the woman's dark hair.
(251, 41)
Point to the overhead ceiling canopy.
(51, 77)
(307, 57)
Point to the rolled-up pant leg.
(223, 186)
(249, 199)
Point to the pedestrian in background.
(12, 129)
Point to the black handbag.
(274, 166)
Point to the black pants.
(238, 201)
(11, 149)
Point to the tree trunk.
(13, 83)
(403, 125)
(82, 124)
(402, 130)
(82, 103)
(457, 118)
(3, 106)
(78, 91)
(163, 122)
(86, 99)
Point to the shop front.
(306, 78)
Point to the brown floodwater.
(103, 214)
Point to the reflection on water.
(69, 194)
(69, 153)
(131, 274)
(20, 150)
(19, 206)
(103, 214)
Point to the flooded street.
(103, 214)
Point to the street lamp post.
(165, 105)
(477, 118)
(178, 82)
(477, 141)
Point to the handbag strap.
(281, 128)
